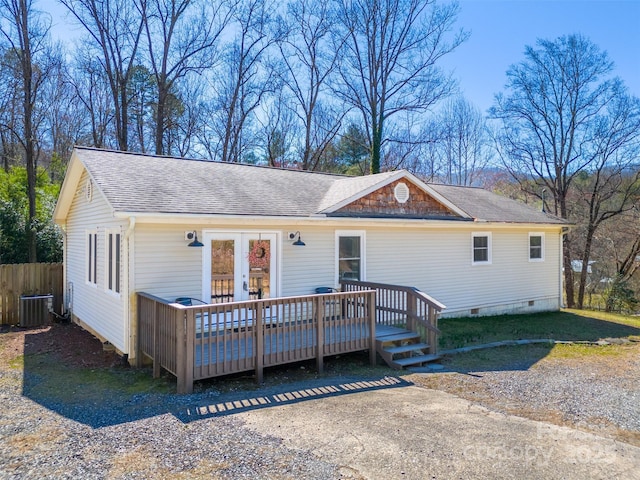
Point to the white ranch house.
(128, 220)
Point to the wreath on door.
(259, 255)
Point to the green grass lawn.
(575, 325)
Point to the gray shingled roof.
(484, 205)
(149, 184)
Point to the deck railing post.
(433, 336)
(371, 310)
(259, 347)
(412, 310)
(138, 353)
(319, 316)
(181, 353)
(189, 340)
(155, 329)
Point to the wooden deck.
(205, 341)
(282, 343)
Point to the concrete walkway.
(417, 433)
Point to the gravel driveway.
(322, 428)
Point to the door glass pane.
(259, 266)
(222, 271)
(349, 258)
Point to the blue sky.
(500, 29)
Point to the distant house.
(129, 220)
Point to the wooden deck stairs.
(401, 348)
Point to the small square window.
(536, 247)
(481, 247)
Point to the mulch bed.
(66, 343)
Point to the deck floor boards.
(229, 349)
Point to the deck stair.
(401, 348)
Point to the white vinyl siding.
(101, 311)
(164, 265)
(435, 260)
(439, 262)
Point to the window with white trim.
(350, 255)
(481, 248)
(536, 247)
(92, 257)
(112, 261)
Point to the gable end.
(384, 202)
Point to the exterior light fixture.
(193, 236)
(298, 242)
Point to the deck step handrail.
(401, 305)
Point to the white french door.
(239, 266)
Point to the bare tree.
(115, 28)
(389, 64)
(92, 89)
(9, 108)
(309, 52)
(612, 186)
(245, 80)
(617, 254)
(64, 121)
(460, 143)
(277, 130)
(25, 34)
(181, 38)
(558, 119)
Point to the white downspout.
(129, 302)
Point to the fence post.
(371, 310)
(319, 314)
(259, 347)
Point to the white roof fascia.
(68, 189)
(70, 186)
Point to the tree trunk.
(160, 113)
(29, 134)
(568, 272)
(585, 266)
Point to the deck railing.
(405, 307)
(204, 341)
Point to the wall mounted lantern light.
(193, 236)
(298, 242)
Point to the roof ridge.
(204, 160)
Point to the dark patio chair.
(189, 301)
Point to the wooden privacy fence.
(405, 307)
(28, 279)
(204, 341)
